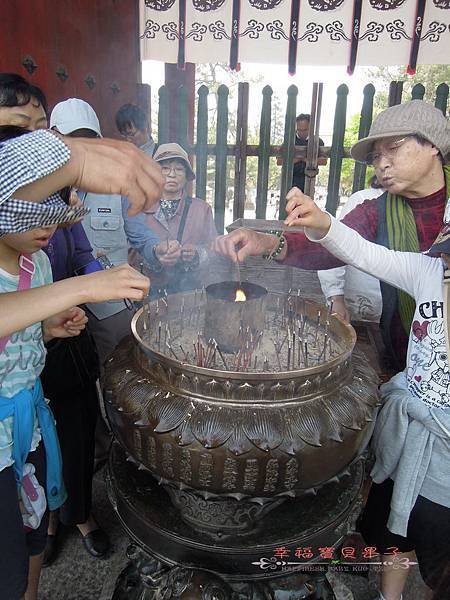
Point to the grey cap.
(171, 151)
(415, 117)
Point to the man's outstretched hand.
(113, 167)
(241, 243)
(102, 166)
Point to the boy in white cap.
(104, 226)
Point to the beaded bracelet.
(279, 248)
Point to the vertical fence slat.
(337, 149)
(359, 176)
(163, 116)
(418, 92)
(220, 184)
(201, 150)
(395, 93)
(264, 153)
(288, 148)
(313, 147)
(182, 117)
(442, 98)
(240, 164)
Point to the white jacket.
(361, 291)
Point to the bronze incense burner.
(232, 434)
(241, 426)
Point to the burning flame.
(240, 296)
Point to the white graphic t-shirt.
(23, 358)
(421, 277)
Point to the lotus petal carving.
(238, 443)
(183, 434)
(170, 413)
(308, 425)
(344, 411)
(265, 429)
(292, 444)
(212, 425)
(331, 427)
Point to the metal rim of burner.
(338, 327)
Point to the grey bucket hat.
(415, 117)
(171, 151)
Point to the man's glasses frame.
(373, 158)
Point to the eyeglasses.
(177, 170)
(373, 159)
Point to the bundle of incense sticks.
(293, 329)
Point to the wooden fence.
(264, 150)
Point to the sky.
(278, 78)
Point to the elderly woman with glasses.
(184, 224)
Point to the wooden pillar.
(174, 79)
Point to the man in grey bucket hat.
(411, 118)
(407, 146)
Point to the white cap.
(73, 114)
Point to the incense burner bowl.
(229, 445)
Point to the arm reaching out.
(244, 242)
(21, 309)
(241, 243)
(102, 166)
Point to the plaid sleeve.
(28, 158)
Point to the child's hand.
(118, 283)
(67, 323)
(304, 212)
